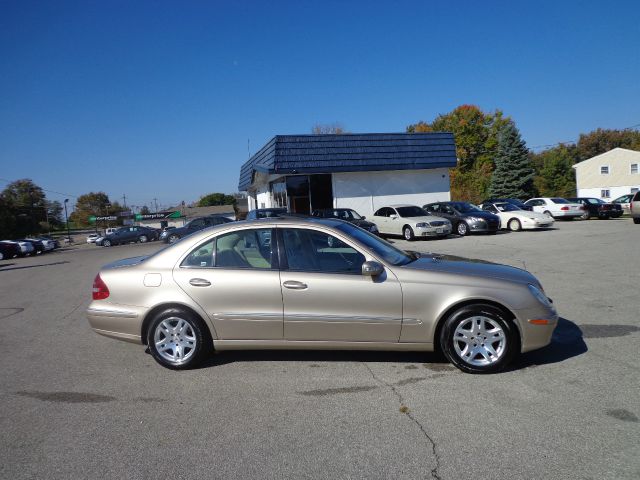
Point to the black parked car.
(9, 250)
(513, 201)
(349, 215)
(266, 213)
(128, 235)
(175, 234)
(465, 217)
(594, 207)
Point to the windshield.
(377, 246)
(412, 211)
(507, 207)
(345, 214)
(464, 207)
(559, 200)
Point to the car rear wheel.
(178, 339)
(462, 229)
(106, 243)
(514, 225)
(636, 220)
(407, 232)
(479, 339)
(173, 238)
(143, 239)
(586, 215)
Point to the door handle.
(200, 282)
(294, 285)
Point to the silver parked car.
(311, 283)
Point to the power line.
(549, 145)
(43, 189)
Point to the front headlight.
(475, 219)
(540, 296)
(373, 228)
(422, 225)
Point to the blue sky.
(158, 99)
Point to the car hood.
(472, 267)
(125, 262)
(363, 223)
(483, 215)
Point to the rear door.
(235, 279)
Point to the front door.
(231, 277)
(325, 295)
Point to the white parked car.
(516, 219)
(410, 221)
(92, 237)
(556, 207)
(46, 243)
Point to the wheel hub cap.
(479, 341)
(175, 340)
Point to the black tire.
(636, 221)
(106, 243)
(173, 238)
(548, 213)
(514, 225)
(194, 328)
(143, 239)
(462, 229)
(472, 316)
(586, 215)
(407, 233)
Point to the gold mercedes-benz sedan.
(310, 283)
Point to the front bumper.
(433, 231)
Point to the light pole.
(66, 219)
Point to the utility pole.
(66, 219)
(155, 200)
(124, 202)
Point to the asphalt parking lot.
(77, 405)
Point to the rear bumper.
(115, 321)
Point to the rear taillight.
(100, 290)
(564, 208)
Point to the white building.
(609, 175)
(360, 171)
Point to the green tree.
(7, 218)
(216, 199)
(514, 173)
(555, 176)
(476, 136)
(92, 203)
(145, 210)
(25, 201)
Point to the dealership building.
(360, 171)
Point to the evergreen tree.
(513, 175)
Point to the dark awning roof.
(350, 153)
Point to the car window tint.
(379, 213)
(197, 223)
(313, 251)
(249, 248)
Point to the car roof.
(401, 205)
(291, 220)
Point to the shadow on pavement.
(567, 342)
(2, 269)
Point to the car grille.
(437, 223)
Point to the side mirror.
(363, 217)
(372, 269)
(393, 216)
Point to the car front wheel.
(408, 233)
(177, 339)
(106, 243)
(143, 239)
(173, 238)
(479, 339)
(462, 229)
(514, 225)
